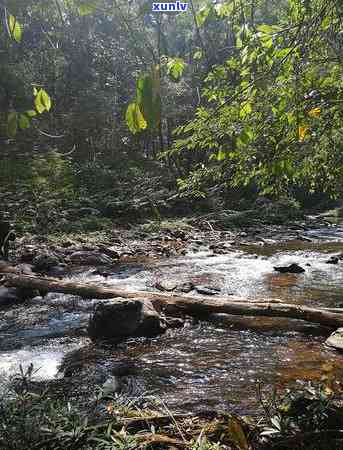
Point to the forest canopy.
(228, 96)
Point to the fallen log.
(171, 303)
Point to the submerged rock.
(336, 339)
(120, 319)
(292, 268)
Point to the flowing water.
(203, 365)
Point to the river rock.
(58, 271)
(120, 319)
(165, 286)
(332, 260)
(292, 268)
(9, 295)
(206, 290)
(90, 258)
(336, 339)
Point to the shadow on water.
(215, 364)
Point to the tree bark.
(172, 303)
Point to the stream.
(203, 365)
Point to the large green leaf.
(15, 28)
(148, 100)
(135, 119)
(42, 101)
(12, 124)
(175, 68)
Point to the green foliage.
(15, 28)
(135, 119)
(270, 110)
(175, 68)
(42, 101)
(51, 176)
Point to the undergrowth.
(33, 417)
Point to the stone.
(120, 319)
(205, 290)
(165, 286)
(9, 295)
(90, 258)
(332, 260)
(58, 271)
(292, 268)
(335, 340)
(186, 287)
(111, 386)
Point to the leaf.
(12, 124)
(268, 29)
(85, 8)
(303, 129)
(42, 101)
(134, 118)
(15, 28)
(224, 9)
(31, 113)
(220, 155)
(175, 68)
(24, 122)
(202, 15)
(148, 98)
(237, 434)
(246, 109)
(198, 55)
(315, 112)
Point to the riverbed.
(215, 364)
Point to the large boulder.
(120, 319)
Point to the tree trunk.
(172, 303)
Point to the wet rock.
(174, 322)
(45, 261)
(186, 287)
(112, 252)
(292, 268)
(333, 260)
(119, 319)
(102, 273)
(336, 339)
(111, 386)
(58, 271)
(9, 295)
(165, 286)
(90, 258)
(204, 290)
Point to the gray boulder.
(120, 319)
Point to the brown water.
(205, 365)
